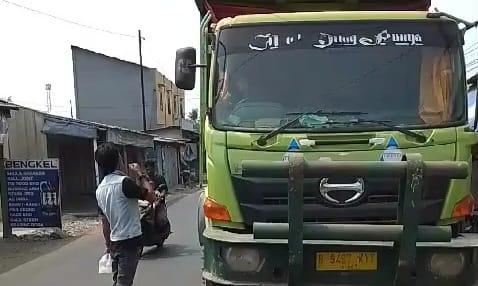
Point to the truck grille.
(265, 200)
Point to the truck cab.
(333, 81)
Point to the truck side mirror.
(185, 75)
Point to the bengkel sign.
(31, 164)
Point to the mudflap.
(436, 263)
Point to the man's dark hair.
(107, 157)
(149, 164)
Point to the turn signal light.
(464, 208)
(215, 211)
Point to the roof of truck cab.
(220, 9)
(321, 16)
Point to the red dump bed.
(230, 8)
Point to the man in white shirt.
(117, 197)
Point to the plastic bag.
(105, 264)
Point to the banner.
(33, 191)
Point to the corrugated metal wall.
(25, 139)
(168, 164)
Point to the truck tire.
(201, 219)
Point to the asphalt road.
(178, 263)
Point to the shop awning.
(68, 128)
(124, 137)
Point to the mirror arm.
(209, 112)
(437, 14)
(197, 66)
(476, 108)
(473, 25)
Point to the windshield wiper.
(262, 140)
(421, 138)
(327, 113)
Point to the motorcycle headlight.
(242, 259)
(447, 264)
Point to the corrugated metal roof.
(66, 119)
(105, 126)
(8, 105)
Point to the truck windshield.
(409, 73)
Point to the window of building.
(160, 97)
(169, 102)
(181, 108)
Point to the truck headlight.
(447, 264)
(242, 259)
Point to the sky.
(35, 49)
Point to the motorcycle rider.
(158, 181)
(185, 172)
(155, 224)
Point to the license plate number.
(346, 261)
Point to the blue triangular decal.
(392, 142)
(294, 145)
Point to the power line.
(472, 66)
(471, 46)
(471, 51)
(475, 61)
(66, 20)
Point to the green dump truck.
(336, 144)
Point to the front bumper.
(274, 268)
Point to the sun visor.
(230, 8)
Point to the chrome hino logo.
(329, 192)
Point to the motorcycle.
(155, 223)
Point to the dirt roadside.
(28, 245)
(15, 252)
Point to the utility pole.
(142, 79)
(71, 109)
(48, 97)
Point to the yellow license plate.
(346, 261)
